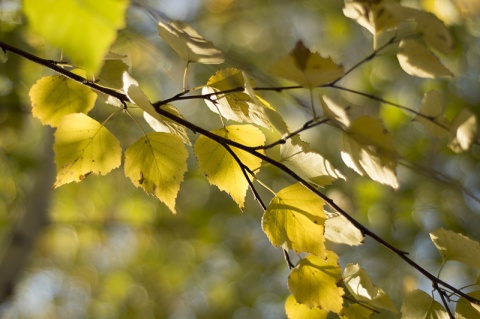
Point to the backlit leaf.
(463, 131)
(361, 287)
(111, 74)
(158, 122)
(295, 219)
(306, 68)
(83, 29)
(188, 44)
(340, 231)
(157, 163)
(454, 246)
(415, 59)
(356, 311)
(220, 166)
(434, 32)
(419, 304)
(83, 146)
(296, 310)
(237, 106)
(466, 309)
(432, 106)
(336, 113)
(56, 96)
(367, 148)
(313, 282)
(307, 163)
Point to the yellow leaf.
(313, 282)
(466, 309)
(296, 310)
(356, 311)
(157, 163)
(432, 106)
(457, 247)
(295, 220)
(340, 231)
(112, 72)
(367, 148)
(220, 166)
(56, 96)
(415, 59)
(361, 287)
(419, 304)
(82, 147)
(188, 44)
(334, 112)
(308, 69)
(463, 131)
(83, 29)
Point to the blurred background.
(105, 249)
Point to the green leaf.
(419, 304)
(83, 29)
(306, 68)
(306, 162)
(56, 96)
(220, 166)
(466, 309)
(356, 311)
(433, 107)
(415, 59)
(463, 131)
(82, 147)
(158, 122)
(237, 106)
(339, 230)
(453, 246)
(367, 148)
(157, 163)
(361, 287)
(295, 220)
(296, 310)
(188, 44)
(313, 282)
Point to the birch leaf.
(433, 107)
(453, 246)
(466, 309)
(419, 304)
(296, 310)
(339, 230)
(334, 112)
(463, 131)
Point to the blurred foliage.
(111, 251)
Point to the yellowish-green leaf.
(466, 309)
(334, 112)
(463, 131)
(415, 59)
(433, 107)
(83, 29)
(313, 282)
(434, 32)
(306, 68)
(339, 230)
(112, 71)
(220, 166)
(56, 96)
(295, 220)
(83, 147)
(361, 287)
(157, 163)
(419, 304)
(237, 106)
(310, 165)
(188, 44)
(367, 148)
(296, 310)
(454, 246)
(3, 56)
(158, 122)
(356, 311)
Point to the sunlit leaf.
(111, 74)
(419, 304)
(466, 309)
(433, 107)
(434, 32)
(336, 113)
(3, 56)
(295, 220)
(367, 148)
(415, 59)
(157, 163)
(55, 96)
(296, 310)
(220, 166)
(188, 44)
(313, 282)
(237, 106)
(158, 122)
(83, 147)
(356, 311)
(361, 287)
(83, 29)
(306, 68)
(340, 231)
(454, 246)
(307, 163)
(463, 131)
